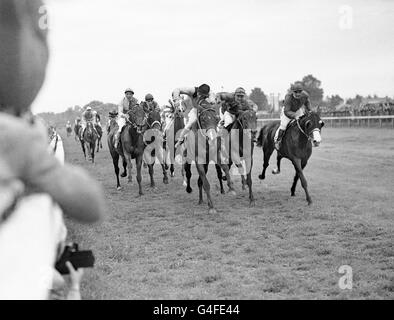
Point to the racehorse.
(56, 144)
(241, 145)
(90, 137)
(172, 138)
(116, 153)
(77, 129)
(296, 146)
(201, 145)
(99, 137)
(132, 141)
(154, 124)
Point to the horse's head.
(208, 120)
(312, 125)
(138, 119)
(154, 120)
(248, 122)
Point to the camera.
(79, 259)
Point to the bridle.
(202, 111)
(138, 128)
(310, 135)
(239, 119)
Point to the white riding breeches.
(121, 123)
(284, 120)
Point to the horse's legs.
(240, 170)
(278, 160)
(298, 168)
(172, 169)
(188, 172)
(129, 166)
(124, 163)
(220, 177)
(161, 158)
(83, 149)
(293, 187)
(202, 173)
(200, 185)
(267, 156)
(151, 173)
(138, 162)
(296, 177)
(199, 182)
(115, 160)
(226, 169)
(249, 182)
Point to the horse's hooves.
(252, 203)
(200, 202)
(189, 190)
(222, 191)
(309, 202)
(165, 180)
(293, 194)
(119, 188)
(212, 211)
(261, 177)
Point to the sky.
(98, 48)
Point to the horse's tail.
(260, 139)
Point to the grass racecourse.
(164, 246)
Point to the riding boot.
(278, 141)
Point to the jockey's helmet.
(89, 108)
(203, 90)
(129, 90)
(240, 91)
(148, 97)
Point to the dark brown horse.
(240, 147)
(116, 153)
(153, 139)
(99, 137)
(202, 147)
(296, 146)
(132, 140)
(90, 137)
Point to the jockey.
(232, 104)
(295, 104)
(149, 104)
(89, 115)
(127, 103)
(197, 95)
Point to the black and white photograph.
(195, 150)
